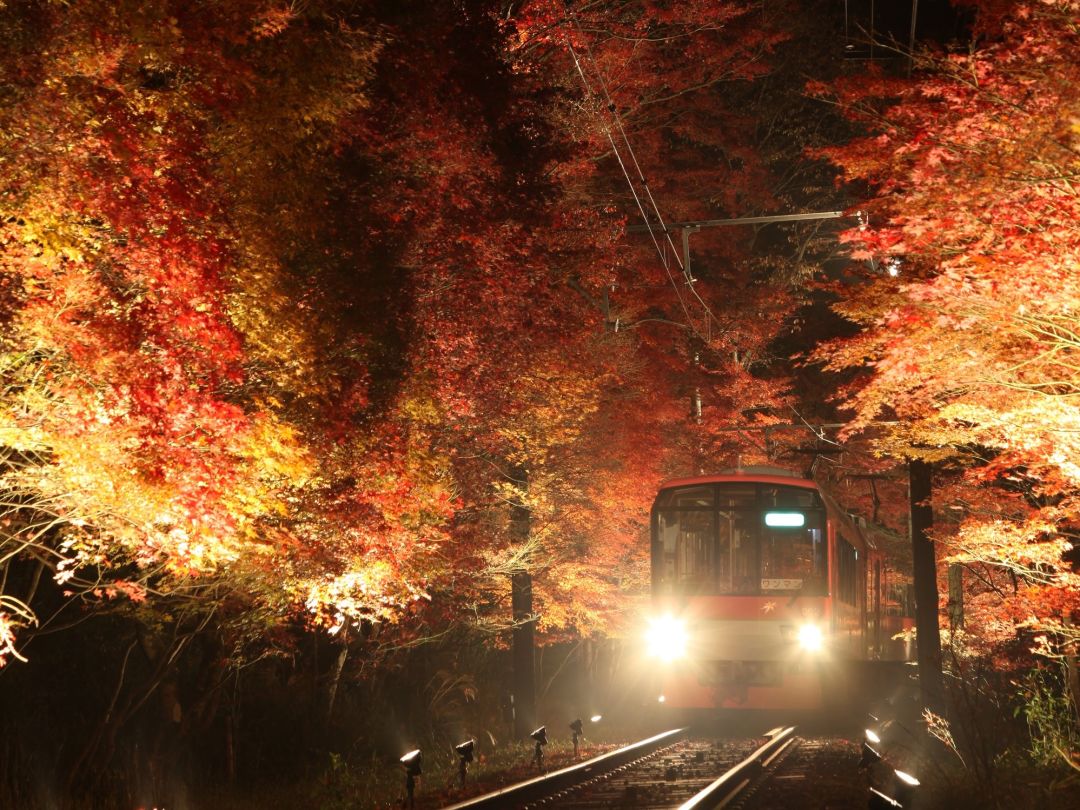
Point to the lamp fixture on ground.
(577, 730)
(870, 757)
(540, 735)
(412, 762)
(879, 801)
(906, 785)
(465, 756)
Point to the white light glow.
(908, 778)
(596, 718)
(661, 699)
(873, 737)
(666, 638)
(786, 520)
(810, 637)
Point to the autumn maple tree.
(966, 300)
(152, 342)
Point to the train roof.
(759, 474)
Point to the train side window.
(847, 586)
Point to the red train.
(762, 589)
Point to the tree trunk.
(230, 747)
(524, 641)
(524, 690)
(588, 674)
(333, 677)
(927, 632)
(1072, 672)
(956, 597)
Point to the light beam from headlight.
(811, 637)
(666, 638)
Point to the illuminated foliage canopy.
(300, 300)
(968, 303)
(305, 304)
(297, 299)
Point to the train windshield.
(739, 538)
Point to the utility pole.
(927, 632)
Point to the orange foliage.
(971, 344)
(290, 291)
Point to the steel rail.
(728, 786)
(546, 785)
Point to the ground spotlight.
(575, 727)
(465, 756)
(540, 735)
(412, 763)
(906, 785)
(870, 756)
(879, 801)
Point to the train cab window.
(739, 539)
(736, 558)
(736, 496)
(793, 555)
(778, 497)
(685, 552)
(686, 498)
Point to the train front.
(740, 593)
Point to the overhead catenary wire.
(633, 190)
(605, 98)
(614, 110)
(656, 221)
(684, 265)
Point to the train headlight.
(810, 637)
(666, 638)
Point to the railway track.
(668, 770)
(812, 773)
